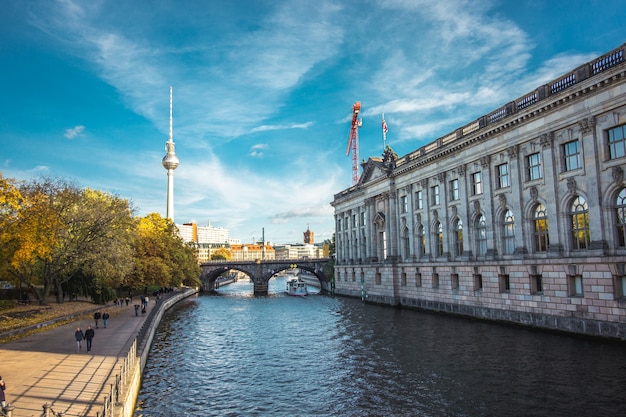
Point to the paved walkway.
(45, 367)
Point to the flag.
(385, 130)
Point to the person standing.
(96, 317)
(89, 334)
(105, 318)
(79, 336)
(3, 399)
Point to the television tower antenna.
(170, 162)
(353, 142)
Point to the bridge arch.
(260, 272)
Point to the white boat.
(296, 286)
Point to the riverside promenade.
(45, 368)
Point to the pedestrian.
(89, 334)
(105, 318)
(127, 301)
(78, 334)
(3, 386)
(96, 317)
(136, 309)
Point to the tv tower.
(170, 162)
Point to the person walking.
(3, 399)
(105, 318)
(79, 336)
(89, 334)
(96, 317)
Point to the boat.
(296, 286)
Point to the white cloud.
(74, 132)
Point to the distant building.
(299, 251)
(309, 236)
(518, 216)
(191, 232)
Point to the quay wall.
(128, 395)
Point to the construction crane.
(353, 142)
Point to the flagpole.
(384, 133)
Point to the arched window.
(621, 218)
(439, 239)
(579, 216)
(458, 237)
(481, 236)
(508, 233)
(407, 243)
(541, 228)
(421, 241)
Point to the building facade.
(518, 216)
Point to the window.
(458, 237)
(354, 223)
(536, 284)
(481, 235)
(421, 241)
(419, 202)
(403, 279)
(617, 143)
(478, 281)
(378, 278)
(435, 195)
(353, 276)
(477, 183)
(454, 190)
(505, 282)
(508, 233)
(404, 204)
(620, 282)
(435, 280)
(439, 239)
(575, 285)
(533, 163)
(579, 217)
(621, 218)
(338, 224)
(418, 279)
(362, 218)
(454, 281)
(541, 229)
(571, 155)
(502, 175)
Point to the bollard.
(8, 410)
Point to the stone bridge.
(261, 271)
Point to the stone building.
(517, 216)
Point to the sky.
(263, 92)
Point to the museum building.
(518, 216)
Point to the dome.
(170, 161)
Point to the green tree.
(161, 256)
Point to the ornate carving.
(571, 185)
(586, 125)
(461, 170)
(513, 151)
(424, 183)
(502, 199)
(441, 177)
(453, 210)
(484, 161)
(476, 206)
(418, 218)
(435, 215)
(618, 174)
(546, 140)
(534, 193)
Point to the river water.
(233, 354)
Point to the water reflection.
(233, 354)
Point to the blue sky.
(263, 92)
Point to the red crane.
(353, 142)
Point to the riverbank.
(45, 367)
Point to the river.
(234, 354)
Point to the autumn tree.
(85, 234)
(161, 256)
(221, 254)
